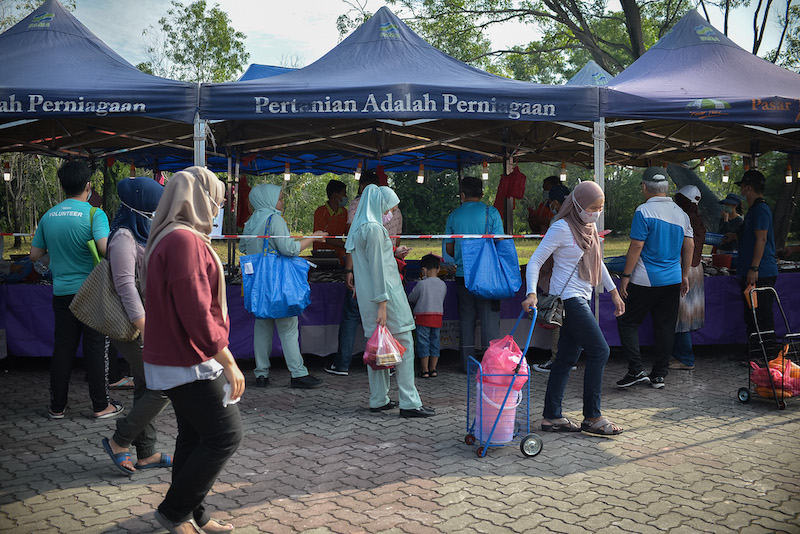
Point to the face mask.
(555, 211)
(145, 214)
(387, 217)
(585, 216)
(727, 209)
(90, 195)
(344, 202)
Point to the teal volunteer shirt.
(64, 231)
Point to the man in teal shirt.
(64, 232)
(473, 217)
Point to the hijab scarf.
(190, 201)
(698, 228)
(585, 235)
(264, 199)
(374, 202)
(139, 194)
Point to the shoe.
(629, 379)
(391, 405)
(305, 382)
(543, 367)
(680, 366)
(262, 381)
(56, 415)
(118, 408)
(433, 373)
(422, 411)
(392, 371)
(165, 461)
(334, 371)
(657, 382)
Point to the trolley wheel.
(479, 452)
(469, 439)
(781, 405)
(531, 445)
(744, 395)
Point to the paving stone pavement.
(692, 459)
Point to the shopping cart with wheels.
(499, 415)
(773, 370)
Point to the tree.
(195, 44)
(12, 11)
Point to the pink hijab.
(584, 195)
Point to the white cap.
(691, 192)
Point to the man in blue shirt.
(756, 263)
(64, 232)
(473, 217)
(655, 277)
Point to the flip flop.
(603, 427)
(165, 461)
(126, 382)
(425, 374)
(569, 426)
(117, 410)
(118, 458)
(220, 523)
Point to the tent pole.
(229, 212)
(199, 141)
(599, 138)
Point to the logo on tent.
(706, 33)
(389, 31)
(599, 78)
(708, 103)
(41, 21)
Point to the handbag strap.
(570, 275)
(486, 226)
(266, 239)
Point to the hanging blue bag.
(274, 285)
(491, 268)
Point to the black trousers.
(68, 332)
(208, 434)
(662, 304)
(764, 316)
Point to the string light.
(421, 174)
(726, 171)
(287, 172)
(563, 175)
(702, 164)
(788, 174)
(6, 172)
(485, 173)
(133, 170)
(357, 174)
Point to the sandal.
(126, 382)
(172, 526)
(603, 427)
(425, 374)
(118, 408)
(220, 526)
(565, 426)
(165, 461)
(118, 458)
(433, 373)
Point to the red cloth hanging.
(243, 210)
(383, 178)
(511, 186)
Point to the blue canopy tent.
(64, 92)
(256, 71)
(695, 93)
(591, 74)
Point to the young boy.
(427, 297)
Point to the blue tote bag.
(274, 285)
(491, 268)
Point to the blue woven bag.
(491, 268)
(274, 285)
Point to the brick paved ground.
(692, 459)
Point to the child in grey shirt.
(427, 298)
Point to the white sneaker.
(543, 367)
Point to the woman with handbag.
(129, 231)
(382, 299)
(573, 242)
(186, 345)
(267, 203)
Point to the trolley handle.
(530, 334)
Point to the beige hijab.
(187, 205)
(584, 195)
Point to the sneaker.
(305, 382)
(680, 366)
(657, 382)
(55, 415)
(547, 366)
(262, 381)
(630, 379)
(334, 371)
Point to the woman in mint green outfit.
(267, 201)
(382, 299)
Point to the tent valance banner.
(696, 73)
(54, 67)
(383, 70)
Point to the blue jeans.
(682, 348)
(427, 341)
(580, 331)
(351, 318)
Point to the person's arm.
(37, 253)
(687, 251)
(414, 295)
(123, 271)
(550, 242)
(348, 272)
(634, 251)
(758, 252)
(305, 243)
(232, 372)
(100, 231)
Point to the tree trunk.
(786, 205)
(633, 22)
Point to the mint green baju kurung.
(377, 280)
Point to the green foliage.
(195, 44)
(12, 11)
(426, 206)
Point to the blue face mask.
(344, 202)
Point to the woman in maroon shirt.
(186, 345)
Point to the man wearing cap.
(655, 277)
(731, 222)
(756, 263)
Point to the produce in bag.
(383, 351)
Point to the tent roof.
(61, 85)
(694, 72)
(591, 74)
(383, 70)
(255, 71)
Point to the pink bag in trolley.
(501, 358)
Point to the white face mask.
(145, 214)
(387, 217)
(585, 216)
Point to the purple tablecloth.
(27, 316)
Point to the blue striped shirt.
(662, 225)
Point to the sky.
(278, 30)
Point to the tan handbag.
(98, 306)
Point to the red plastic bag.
(383, 350)
(501, 358)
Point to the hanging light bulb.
(788, 174)
(726, 171)
(485, 173)
(702, 164)
(421, 174)
(563, 175)
(357, 174)
(6, 172)
(133, 170)
(287, 172)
